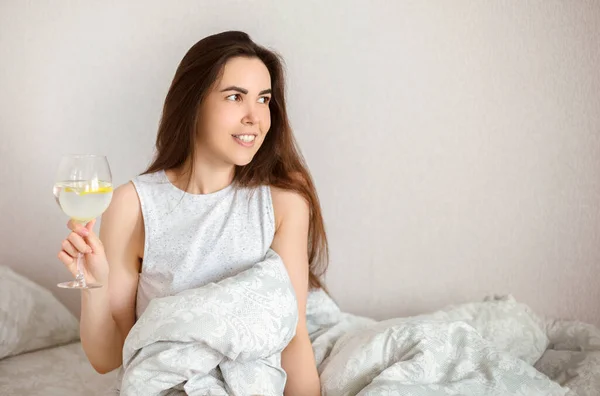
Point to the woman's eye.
(264, 99)
(234, 97)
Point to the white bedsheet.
(241, 324)
(571, 358)
(57, 371)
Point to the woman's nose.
(251, 116)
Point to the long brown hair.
(277, 163)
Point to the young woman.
(227, 184)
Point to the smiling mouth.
(245, 140)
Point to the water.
(83, 200)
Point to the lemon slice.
(87, 190)
(99, 190)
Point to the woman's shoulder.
(126, 195)
(125, 204)
(288, 204)
(124, 215)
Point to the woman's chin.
(242, 160)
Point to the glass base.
(79, 285)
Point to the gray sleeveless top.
(192, 240)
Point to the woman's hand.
(83, 240)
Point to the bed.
(57, 371)
(40, 353)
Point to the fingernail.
(90, 251)
(84, 232)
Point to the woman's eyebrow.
(245, 91)
(237, 89)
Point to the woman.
(227, 184)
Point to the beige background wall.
(455, 146)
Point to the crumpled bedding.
(226, 339)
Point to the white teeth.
(245, 138)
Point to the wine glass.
(83, 190)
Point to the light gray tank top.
(192, 240)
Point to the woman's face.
(235, 116)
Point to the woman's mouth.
(245, 140)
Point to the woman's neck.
(207, 177)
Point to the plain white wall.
(455, 145)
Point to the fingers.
(78, 228)
(92, 238)
(81, 240)
(79, 244)
(68, 261)
(86, 231)
(90, 225)
(68, 248)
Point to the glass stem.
(80, 278)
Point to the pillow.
(31, 317)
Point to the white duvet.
(226, 339)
